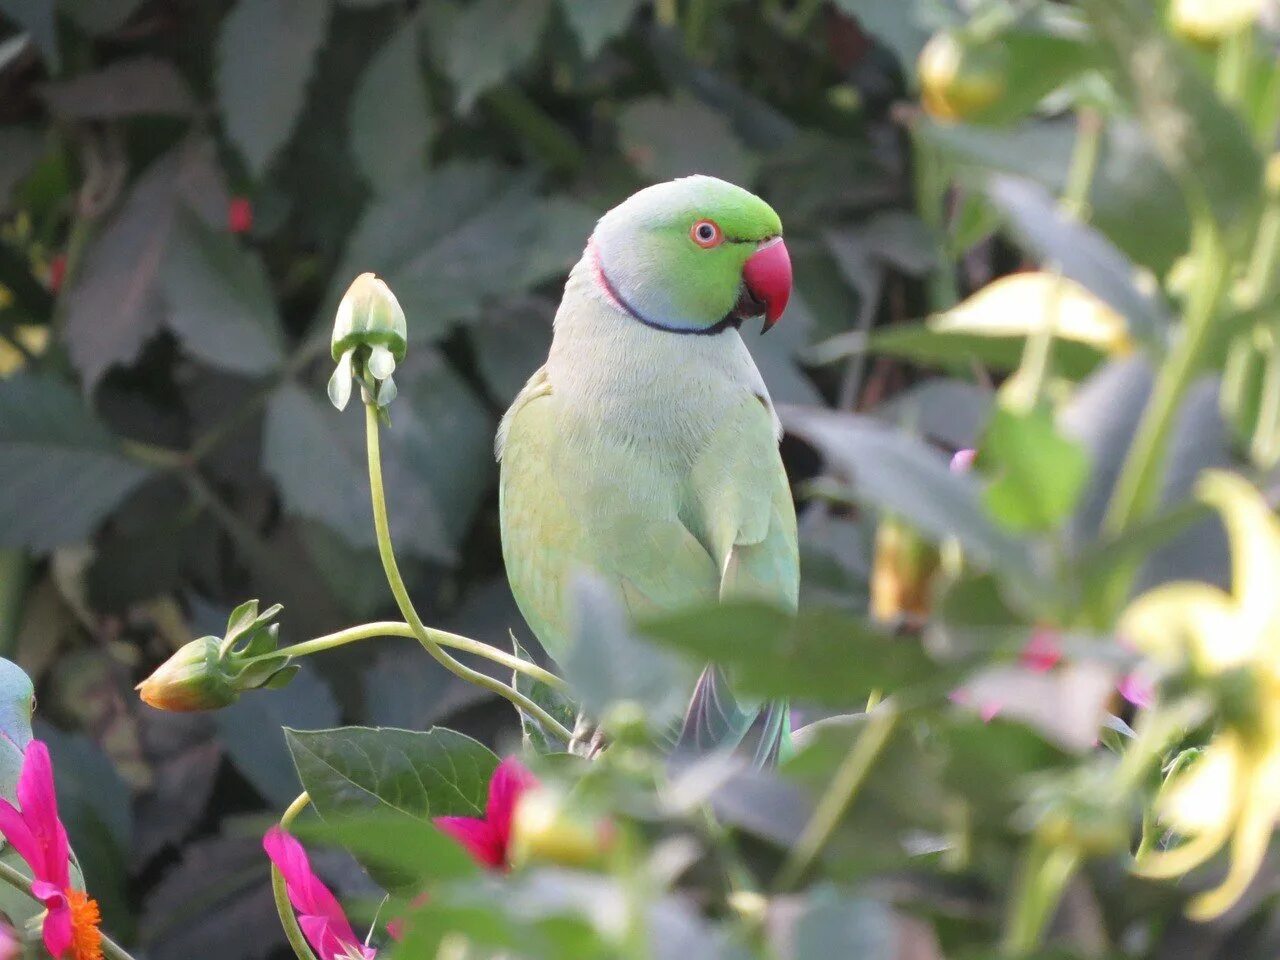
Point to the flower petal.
(39, 803)
(509, 781)
(14, 828)
(477, 837)
(57, 929)
(308, 894)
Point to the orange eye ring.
(706, 234)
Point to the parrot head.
(695, 256)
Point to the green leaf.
(36, 17)
(266, 53)
(489, 41)
(446, 244)
(1038, 473)
(414, 851)
(364, 771)
(554, 702)
(1082, 254)
(957, 351)
(903, 476)
(833, 924)
(1132, 199)
(664, 139)
(20, 148)
(820, 656)
(596, 21)
(60, 469)
(126, 88)
(220, 300)
(390, 118)
(1204, 143)
(114, 303)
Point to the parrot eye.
(706, 234)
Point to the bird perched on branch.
(645, 449)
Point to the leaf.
(1083, 255)
(219, 300)
(98, 16)
(1038, 474)
(446, 243)
(363, 771)
(901, 475)
(957, 351)
(114, 303)
(59, 468)
(820, 656)
(897, 25)
(664, 139)
(266, 52)
(390, 118)
(608, 664)
(125, 88)
(1132, 198)
(20, 148)
(950, 411)
(827, 923)
(596, 21)
(250, 732)
(36, 17)
(490, 40)
(553, 701)
(1204, 143)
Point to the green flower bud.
(369, 337)
(212, 672)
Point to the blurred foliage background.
(187, 186)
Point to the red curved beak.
(767, 274)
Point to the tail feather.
(716, 720)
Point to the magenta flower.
(962, 460)
(35, 832)
(319, 914)
(1042, 652)
(10, 945)
(488, 838)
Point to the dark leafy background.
(166, 450)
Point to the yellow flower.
(1230, 796)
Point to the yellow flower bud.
(960, 80)
(189, 680)
(902, 572)
(1208, 21)
(547, 828)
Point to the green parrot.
(645, 449)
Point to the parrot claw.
(588, 739)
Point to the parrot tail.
(716, 720)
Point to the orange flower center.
(86, 938)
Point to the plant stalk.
(424, 636)
(293, 933)
(15, 878)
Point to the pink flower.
(10, 945)
(319, 914)
(239, 215)
(962, 461)
(1137, 689)
(488, 838)
(1042, 652)
(35, 832)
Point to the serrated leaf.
(219, 300)
(664, 139)
(1038, 474)
(446, 243)
(266, 54)
(594, 22)
(489, 41)
(390, 118)
(59, 467)
(125, 88)
(114, 302)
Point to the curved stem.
(393, 628)
(15, 878)
(401, 593)
(844, 787)
(281, 893)
(1046, 873)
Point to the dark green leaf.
(1038, 474)
(266, 53)
(489, 41)
(1205, 144)
(390, 118)
(126, 88)
(396, 842)
(664, 139)
(61, 470)
(1082, 254)
(597, 21)
(219, 300)
(828, 923)
(20, 148)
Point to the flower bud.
(959, 79)
(902, 572)
(546, 828)
(369, 337)
(212, 672)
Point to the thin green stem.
(840, 794)
(393, 628)
(15, 878)
(400, 592)
(1045, 874)
(280, 891)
